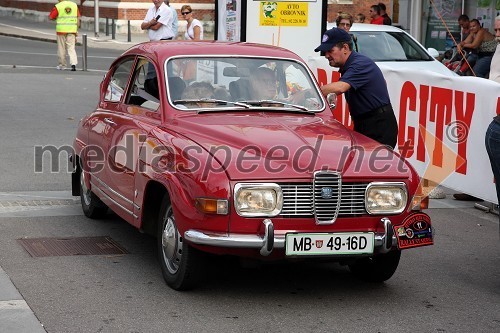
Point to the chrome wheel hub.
(172, 244)
(85, 190)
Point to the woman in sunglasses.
(194, 30)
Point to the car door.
(138, 115)
(103, 124)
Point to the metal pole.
(113, 28)
(129, 34)
(107, 26)
(84, 55)
(96, 18)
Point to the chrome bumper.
(266, 243)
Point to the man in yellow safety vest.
(67, 18)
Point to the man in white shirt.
(158, 22)
(175, 21)
(495, 61)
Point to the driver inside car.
(263, 84)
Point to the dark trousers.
(379, 125)
(492, 141)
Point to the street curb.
(40, 39)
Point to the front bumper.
(269, 241)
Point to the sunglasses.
(185, 13)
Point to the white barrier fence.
(442, 124)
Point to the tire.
(378, 268)
(92, 206)
(181, 264)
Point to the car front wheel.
(181, 264)
(378, 268)
(92, 206)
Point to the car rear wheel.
(92, 206)
(378, 268)
(181, 264)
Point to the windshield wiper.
(263, 103)
(210, 100)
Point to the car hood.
(265, 146)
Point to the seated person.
(263, 84)
(222, 94)
(151, 82)
(199, 90)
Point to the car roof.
(165, 49)
(359, 27)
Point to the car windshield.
(241, 83)
(389, 46)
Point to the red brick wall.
(358, 6)
(126, 14)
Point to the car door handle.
(109, 121)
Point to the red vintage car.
(230, 148)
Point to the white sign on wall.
(295, 25)
(229, 20)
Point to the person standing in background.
(464, 22)
(175, 19)
(492, 139)
(194, 29)
(158, 22)
(495, 61)
(383, 13)
(375, 15)
(67, 17)
(344, 21)
(360, 18)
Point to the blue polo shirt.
(368, 88)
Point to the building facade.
(427, 20)
(121, 11)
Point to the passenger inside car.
(197, 91)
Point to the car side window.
(118, 82)
(145, 92)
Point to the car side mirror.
(433, 52)
(332, 100)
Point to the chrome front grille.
(327, 188)
(298, 200)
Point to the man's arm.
(467, 40)
(338, 87)
(53, 14)
(150, 24)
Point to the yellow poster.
(283, 13)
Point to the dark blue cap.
(332, 37)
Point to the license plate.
(329, 244)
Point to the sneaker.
(61, 67)
(73, 68)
